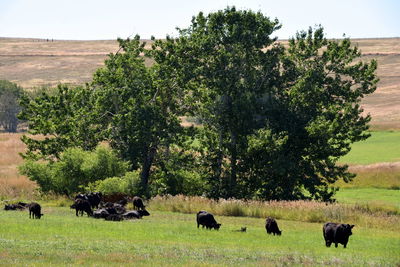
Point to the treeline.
(274, 120)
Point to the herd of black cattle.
(93, 205)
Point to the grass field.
(372, 196)
(171, 239)
(382, 146)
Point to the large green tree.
(138, 104)
(276, 119)
(231, 57)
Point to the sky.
(105, 20)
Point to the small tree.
(9, 107)
(59, 119)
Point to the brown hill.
(37, 62)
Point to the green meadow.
(169, 239)
(382, 146)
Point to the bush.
(75, 170)
(128, 184)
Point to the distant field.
(172, 239)
(382, 146)
(36, 62)
(376, 197)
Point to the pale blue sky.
(101, 19)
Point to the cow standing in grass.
(207, 219)
(138, 203)
(336, 233)
(82, 205)
(272, 226)
(35, 210)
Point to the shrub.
(128, 184)
(75, 170)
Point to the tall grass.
(13, 185)
(379, 175)
(306, 211)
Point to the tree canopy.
(274, 118)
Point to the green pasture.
(382, 146)
(375, 197)
(170, 239)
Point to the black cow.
(35, 210)
(100, 213)
(17, 206)
(82, 205)
(135, 214)
(114, 217)
(138, 203)
(272, 227)
(93, 198)
(337, 233)
(207, 219)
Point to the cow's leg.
(328, 243)
(76, 211)
(344, 245)
(336, 244)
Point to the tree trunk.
(146, 167)
(232, 188)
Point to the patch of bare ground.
(382, 166)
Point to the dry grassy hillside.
(36, 62)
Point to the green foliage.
(138, 106)
(128, 184)
(59, 119)
(74, 170)
(275, 120)
(9, 108)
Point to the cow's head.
(144, 212)
(347, 229)
(217, 226)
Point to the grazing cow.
(207, 219)
(138, 203)
(135, 214)
(35, 210)
(100, 213)
(272, 227)
(114, 217)
(337, 233)
(82, 205)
